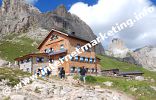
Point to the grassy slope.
(143, 92)
(12, 75)
(12, 46)
(109, 63)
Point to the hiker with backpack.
(83, 74)
(62, 73)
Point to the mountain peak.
(61, 11)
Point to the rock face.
(146, 56)
(16, 16)
(117, 49)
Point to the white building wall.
(26, 66)
(54, 67)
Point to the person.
(38, 72)
(62, 73)
(43, 73)
(48, 72)
(83, 74)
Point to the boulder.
(108, 83)
(139, 78)
(18, 97)
(3, 63)
(153, 87)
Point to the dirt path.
(66, 90)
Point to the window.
(91, 60)
(51, 50)
(62, 47)
(45, 50)
(71, 58)
(76, 58)
(28, 60)
(78, 69)
(54, 37)
(72, 69)
(78, 46)
(81, 59)
(48, 50)
(95, 60)
(86, 59)
(51, 60)
(62, 58)
(39, 59)
(93, 70)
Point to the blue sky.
(154, 1)
(48, 5)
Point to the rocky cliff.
(145, 57)
(117, 48)
(16, 16)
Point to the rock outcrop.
(3, 63)
(117, 48)
(17, 16)
(146, 57)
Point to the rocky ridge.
(145, 57)
(117, 48)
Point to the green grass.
(109, 63)
(13, 75)
(13, 46)
(143, 92)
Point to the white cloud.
(31, 1)
(101, 16)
